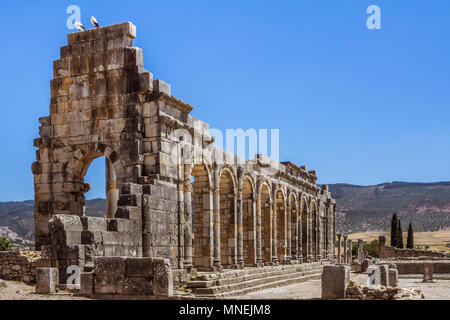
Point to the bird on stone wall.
(79, 26)
(94, 22)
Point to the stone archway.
(248, 223)
(201, 217)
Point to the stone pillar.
(350, 249)
(360, 255)
(274, 230)
(345, 249)
(310, 238)
(112, 193)
(188, 227)
(299, 238)
(259, 261)
(334, 228)
(339, 258)
(288, 234)
(319, 235)
(216, 221)
(294, 237)
(428, 270)
(335, 280)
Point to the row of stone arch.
(236, 219)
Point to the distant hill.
(19, 215)
(370, 208)
(359, 208)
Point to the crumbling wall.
(416, 267)
(391, 252)
(19, 265)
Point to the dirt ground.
(20, 291)
(439, 290)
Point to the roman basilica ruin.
(175, 203)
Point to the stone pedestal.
(428, 270)
(384, 274)
(374, 276)
(335, 279)
(46, 280)
(393, 277)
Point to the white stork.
(79, 26)
(94, 22)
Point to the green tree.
(394, 228)
(5, 244)
(410, 240)
(399, 235)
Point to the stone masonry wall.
(391, 252)
(19, 265)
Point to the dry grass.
(436, 240)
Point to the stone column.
(339, 240)
(360, 251)
(345, 249)
(299, 238)
(188, 227)
(319, 235)
(350, 249)
(239, 223)
(334, 228)
(310, 238)
(112, 193)
(294, 235)
(258, 226)
(216, 221)
(274, 230)
(288, 234)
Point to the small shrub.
(5, 244)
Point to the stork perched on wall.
(94, 22)
(79, 26)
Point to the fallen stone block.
(3, 284)
(335, 279)
(46, 280)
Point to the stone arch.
(201, 197)
(248, 220)
(227, 198)
(281, 224)
(266, 222)
(75, 172)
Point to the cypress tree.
(394, 238)
(399, 235)
(410, 240)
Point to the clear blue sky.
(359, 106)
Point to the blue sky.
(359, 106)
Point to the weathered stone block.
(374, 278)
(335, 279)
(162, 277)
(364, 265)
(139, 267)
(134, 286)
(46, 280)
(393, 277)
(109, 266)
(86, 283)
(428, 270)
(384, 275)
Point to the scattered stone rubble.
(355, 291)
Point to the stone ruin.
(175, 203)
